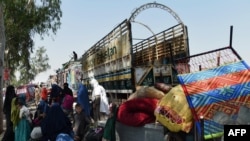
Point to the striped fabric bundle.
(216, 94)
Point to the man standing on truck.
(99, 101)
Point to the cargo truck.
(120, 65)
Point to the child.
(81, 123)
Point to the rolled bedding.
(137, 112)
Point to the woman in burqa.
(54, 123)
(83, 98)
(9, 95)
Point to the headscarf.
(55, 91)
(83, 99)
(55, 122)
(66, 90)
(94, 83)
(9, 95)
(14, 112)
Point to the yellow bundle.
(173, 111)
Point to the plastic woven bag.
(173, 111)
(36, 133)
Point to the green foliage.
(40, 61)
(23, 19)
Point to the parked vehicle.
(27, 92)
(120, 65)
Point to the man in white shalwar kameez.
(99, 100)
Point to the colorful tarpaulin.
(217, 92)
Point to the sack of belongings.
(173, 111)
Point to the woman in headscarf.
(54, 123)
(9, 95)
(15, 112)
(83, 98)
(23, 128)
(55, 93)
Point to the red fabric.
(137, 112)
(44, 94)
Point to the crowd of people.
(56, 116)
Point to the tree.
(23, 20)
(39, 63)
(20, 20)
(2, 48)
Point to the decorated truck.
(120, 65)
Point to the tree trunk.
(2, 50)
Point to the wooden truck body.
(120, 66)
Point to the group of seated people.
(51, 121)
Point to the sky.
(208, 21)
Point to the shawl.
(14, 112)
